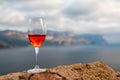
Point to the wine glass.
(36, 35)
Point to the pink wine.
(36, 39)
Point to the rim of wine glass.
(37, 18)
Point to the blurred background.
(77, 32)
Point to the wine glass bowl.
(36, 35)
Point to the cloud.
(80, 8)
(17, 11)
(80, 16)
(14, 17)
(94, 15)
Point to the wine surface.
(36, 39)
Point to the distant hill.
(70, 38)
(11, 38)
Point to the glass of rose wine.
(36, 35)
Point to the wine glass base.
(36, 70)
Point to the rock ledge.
(91, 71)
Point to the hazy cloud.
(80, 16)
(77, 8)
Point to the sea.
(21, 59)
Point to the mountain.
(93, 39)
(70, 38)
(9, 38)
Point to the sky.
(79, 16)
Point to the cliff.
(90, 71)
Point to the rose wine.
(36, 39)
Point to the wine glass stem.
(36, 57)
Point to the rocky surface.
(90, 71)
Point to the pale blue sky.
(80, 16)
